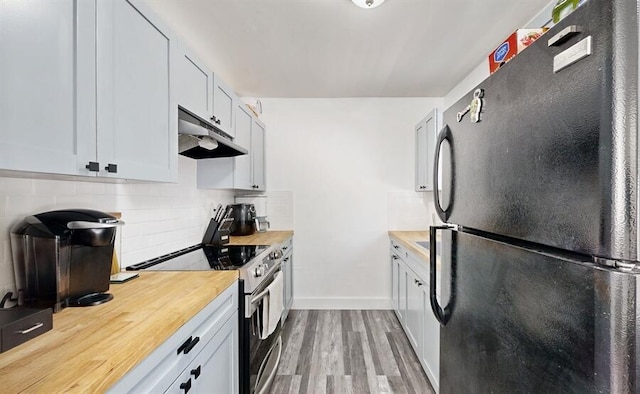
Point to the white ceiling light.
(367, 3)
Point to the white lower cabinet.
(415, 311)
(215, 369)
(287, 270)
(202, 356)
(410, 299)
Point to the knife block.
(217, 233)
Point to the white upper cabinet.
(202, 92)
(224, 103)
(257, 156)
(137, 118)
(195, 84)
(426, 134)
(47, 109)
(242, 172)
(245, 172)
(85, 89)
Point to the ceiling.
(332, 48)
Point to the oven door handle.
(263, 385)
(251, 301)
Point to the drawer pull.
(184, 345)
(191, 345)
(186, 386)
(28, 330)
(196, 372)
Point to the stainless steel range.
(258, 266)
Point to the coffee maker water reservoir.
(63, 258)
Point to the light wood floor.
(342, 352)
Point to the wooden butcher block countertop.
(90, 348)
(266, 238)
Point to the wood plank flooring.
(343, 352)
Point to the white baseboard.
(341, 303)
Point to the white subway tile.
(135, 244)
(29, 205)
(105, 202)
(90, 188)
(46, 187)
(76, 201)
(12, 186)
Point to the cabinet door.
(137, 115)
(426, 134)
(430, 356)
(421, 157)
(395, 281)
(215, 369)
(47, 86)
(257, 156)
(288, 293)
(194, 84)
(224, 103)
(415, 311)
(402, 292)
(242, 173)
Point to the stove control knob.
(259, 270)
(275, 255)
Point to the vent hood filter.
(199, 139)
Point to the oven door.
(264, 354)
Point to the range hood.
(199, 139)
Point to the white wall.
(348, 163)
(160, 218)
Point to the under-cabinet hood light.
(367, 3)
(208, 143)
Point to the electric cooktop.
(202, 257)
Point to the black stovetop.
(201, 258)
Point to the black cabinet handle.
(113, 168)
(284, 248)
(195, 372)
(396, 247)
(93, 166)
(394, 257)
(184, 345)
(191, 345)
(186, 386)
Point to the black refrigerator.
(540, 260)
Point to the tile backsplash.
(159, 217)
(409, 210)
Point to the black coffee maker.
(63, 258)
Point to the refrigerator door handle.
(442, 315)
(444, 134)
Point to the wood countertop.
(90, 348)
(266, 238)
(408, 240)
